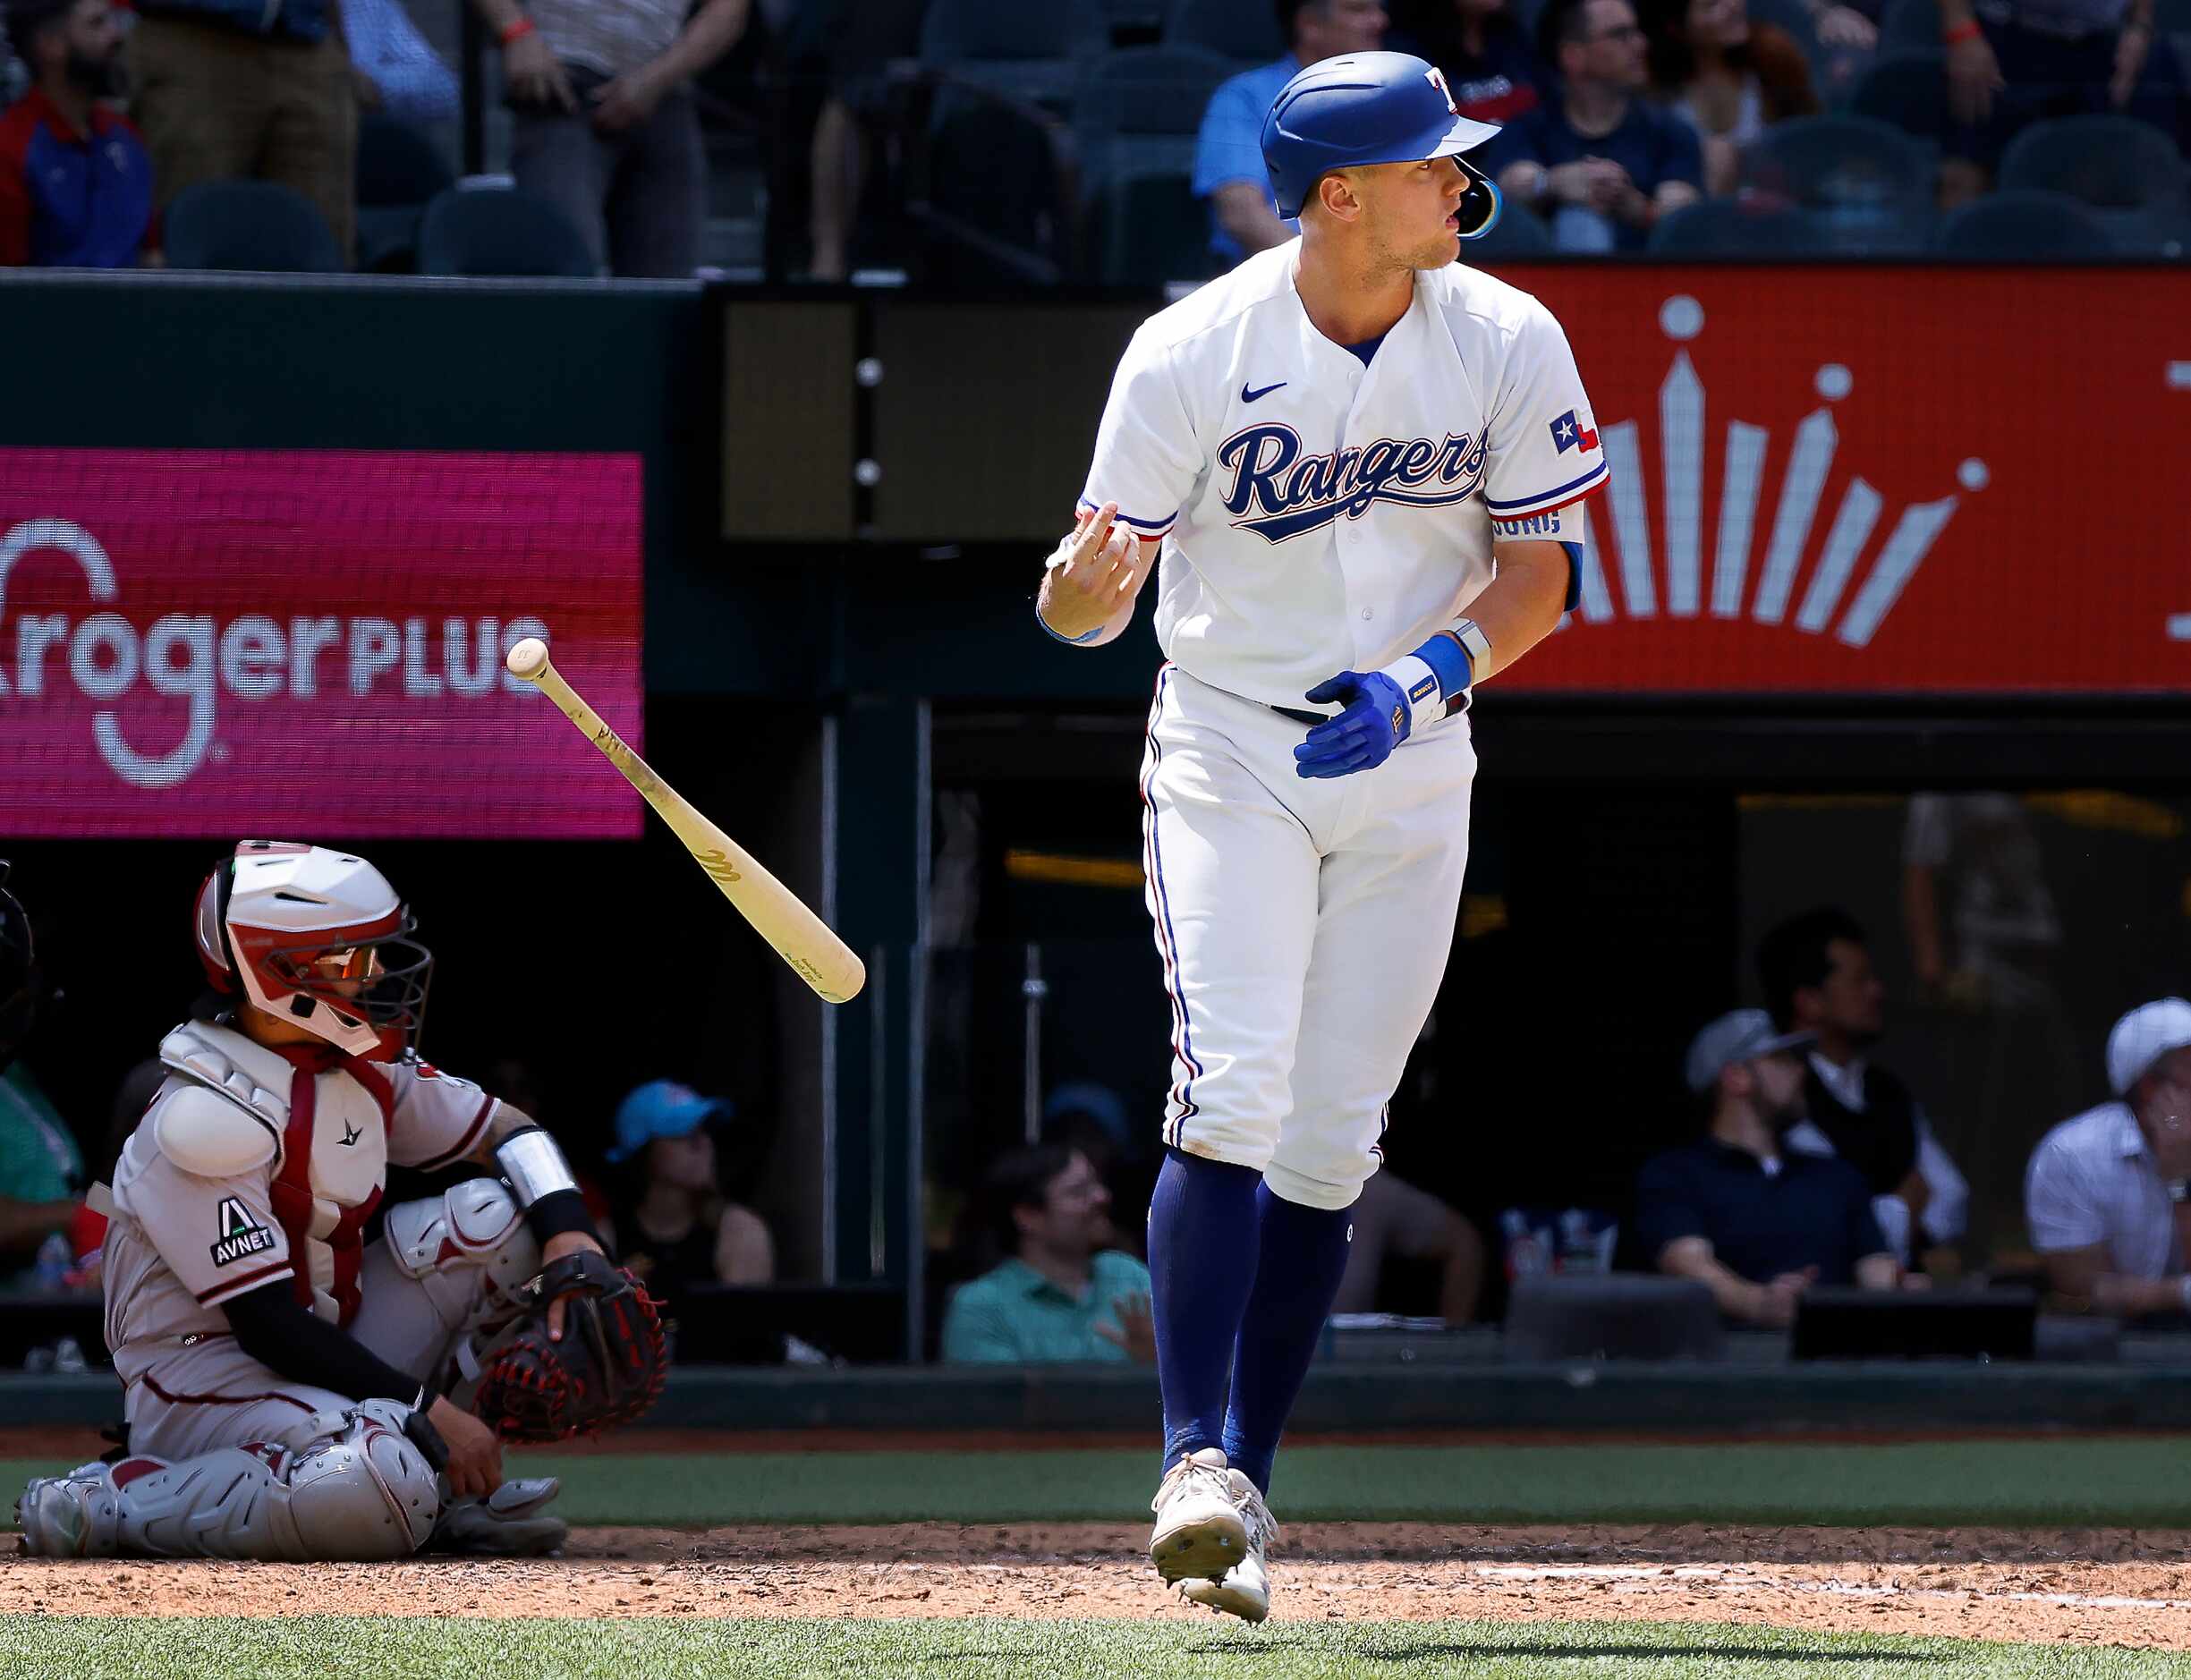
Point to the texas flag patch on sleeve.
(1570, 431)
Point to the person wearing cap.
(675, 1227)
(1599, 161)
(1228, 152)
(1753, 1220)
(75, 178)
(2108, 1194)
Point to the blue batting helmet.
(1371, 108)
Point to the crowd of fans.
(1805, 1160)
(1108, 140)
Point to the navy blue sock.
(1302, 1258)
(1201, 1264)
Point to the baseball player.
(290, 1392)
(1362, 464)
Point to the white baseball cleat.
(1199, 1532)
(54, 1514)
(1244, 1589)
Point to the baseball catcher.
(292, 1391)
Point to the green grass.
(2122, 1482)
(311, 1648)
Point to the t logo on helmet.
(1437, 78)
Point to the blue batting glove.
(1377, 718)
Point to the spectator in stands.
(1818, 978)
(41, 1171)
(242, 89)
(606, 127)
(75, 179)
(1726, 77)
(1395, 1220)
(2011, 63)
(397, 71)
(673, 1226)
(1600, 161)
(2108, 1196)
(1062, 1294)
(1490, 63)
(1754, 1221)
(1228, 154)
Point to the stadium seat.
(1011, 45)
(249, 224)
(1730, 227)
(1869, 184)
(1244, 30)
(1138, 112)
(2015, 226)
(2129, 172)
(1909, 26)
(1518, 235)
(1144, 229)
(500, 232)
(992, 204)
(399, 171)
(1908, 89)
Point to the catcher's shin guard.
(361, 1490)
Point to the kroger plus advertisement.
(214, 643)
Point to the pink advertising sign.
(300, 643)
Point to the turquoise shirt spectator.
(1015, 1316)
(1230, 147)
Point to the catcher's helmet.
(1371, 108)
(22, 985)
(319, 938)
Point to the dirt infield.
(2106, 1588)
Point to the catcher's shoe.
(1244, 1589)
(1199, 1533)
(55, 1512)
(512, 1521)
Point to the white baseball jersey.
(310, 1148)
(1320, 515)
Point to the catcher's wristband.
(541, 1179)
(427, 1439)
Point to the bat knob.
(528, 659)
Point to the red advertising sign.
(1882, 480)
(293, 644)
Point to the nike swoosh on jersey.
(1247, 395)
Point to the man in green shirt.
(1063, 1296)
(40, 1169)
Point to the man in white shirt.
(1817, 972)
(2108, 1192)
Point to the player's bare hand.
(475, 1451)
(534, 76)
(557, 1246)
(1137, 1328)
(1974, 78)
(1096, 567)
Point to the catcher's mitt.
(608, 1368)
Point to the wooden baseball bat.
(801, 937)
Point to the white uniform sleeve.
(2059, 1206)
(219, 1236)
(438, 1117)
(1544, 452)
(1147, 457)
